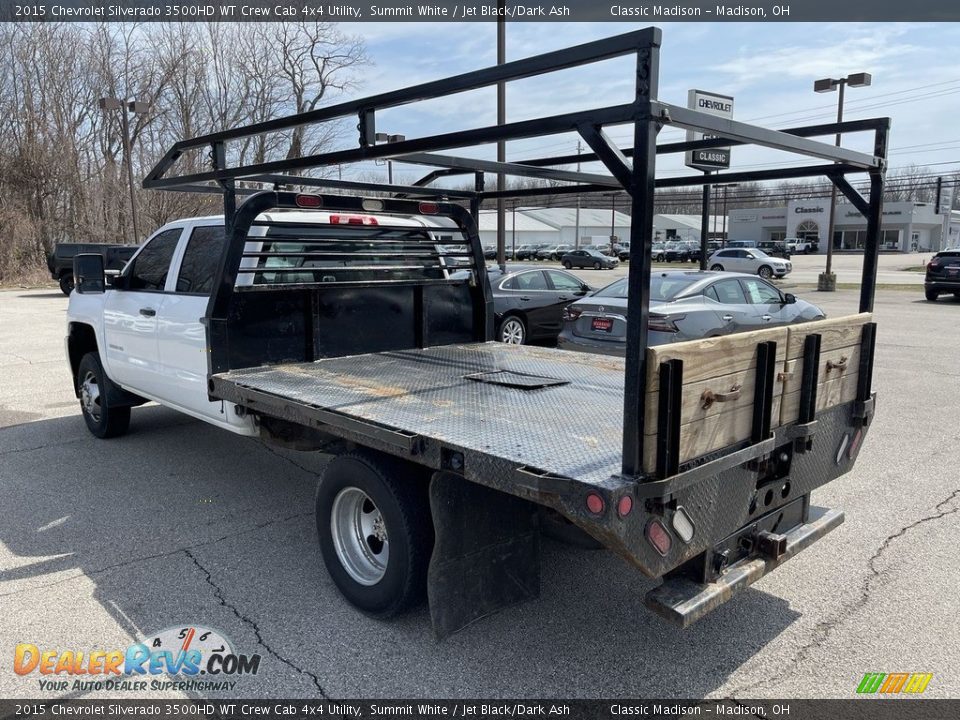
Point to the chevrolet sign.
(714, 104)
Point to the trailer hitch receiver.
(772, 545)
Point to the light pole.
(827, 281)
(385, 138)
(137, 108)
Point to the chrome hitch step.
(683, 601)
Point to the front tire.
(765, 271)
(375, 532)
(717, 268)
(513, 331)
(102, 419)
(66, 283)
(596, 266)
(931, 295)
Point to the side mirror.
(88, 273)
(789, 299)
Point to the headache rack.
(425, 267)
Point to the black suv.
(943, 274)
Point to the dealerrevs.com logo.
(190, 657)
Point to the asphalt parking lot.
(103, 542)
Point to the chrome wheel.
(359, 536)
(512, 332)
(765, 272)
(90, 396)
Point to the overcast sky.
(769, 68)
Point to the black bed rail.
(632, 168)
(310, 262)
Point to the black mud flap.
(683, 601)
(486, 556)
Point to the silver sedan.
(683, 306)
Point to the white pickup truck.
(798, 246)
(341, 327)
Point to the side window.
(729, 292)
(150, 267)
(562, 281)
(759, 293)
(200, 260)
(531, 281)
(711, 292)
(509, 284)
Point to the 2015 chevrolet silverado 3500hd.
(309, 318)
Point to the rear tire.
(765, 271)
(512, 331)
(375, 531)
(717, 268)
(567, 264)
(103, 420)
(66, 283)
(931, 295)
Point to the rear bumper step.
(683, 601)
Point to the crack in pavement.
(218, 594)
(157, 556)
(823, 629)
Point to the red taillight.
(571, 313)
(625, 506)
(933, 264)
(661, 323)
(429, 208)
(595, 503)
(309, 201)
(659, 537)
(353, 220)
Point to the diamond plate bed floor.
(559, 411)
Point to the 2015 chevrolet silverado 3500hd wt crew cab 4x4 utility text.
(310, 319)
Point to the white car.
(749, 260)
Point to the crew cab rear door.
(181, 333)
(130, 314)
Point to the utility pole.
(138, 108)
(501, 120)
(576, 237)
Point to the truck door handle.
(727, 318)
(148, 312)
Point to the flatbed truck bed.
(510, 404)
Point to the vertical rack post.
(868, 282)
(641, 245)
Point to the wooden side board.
(718, 365)
(839, 365)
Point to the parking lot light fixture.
(137, 107)
(828, 281)
(388, 138)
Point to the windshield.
(757, 252)
(662, 287)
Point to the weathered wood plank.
(713, 357)
(834, 333)
(692, 409)
(834, 386)
(836, 391)
(703, 436)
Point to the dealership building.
(906, 226)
